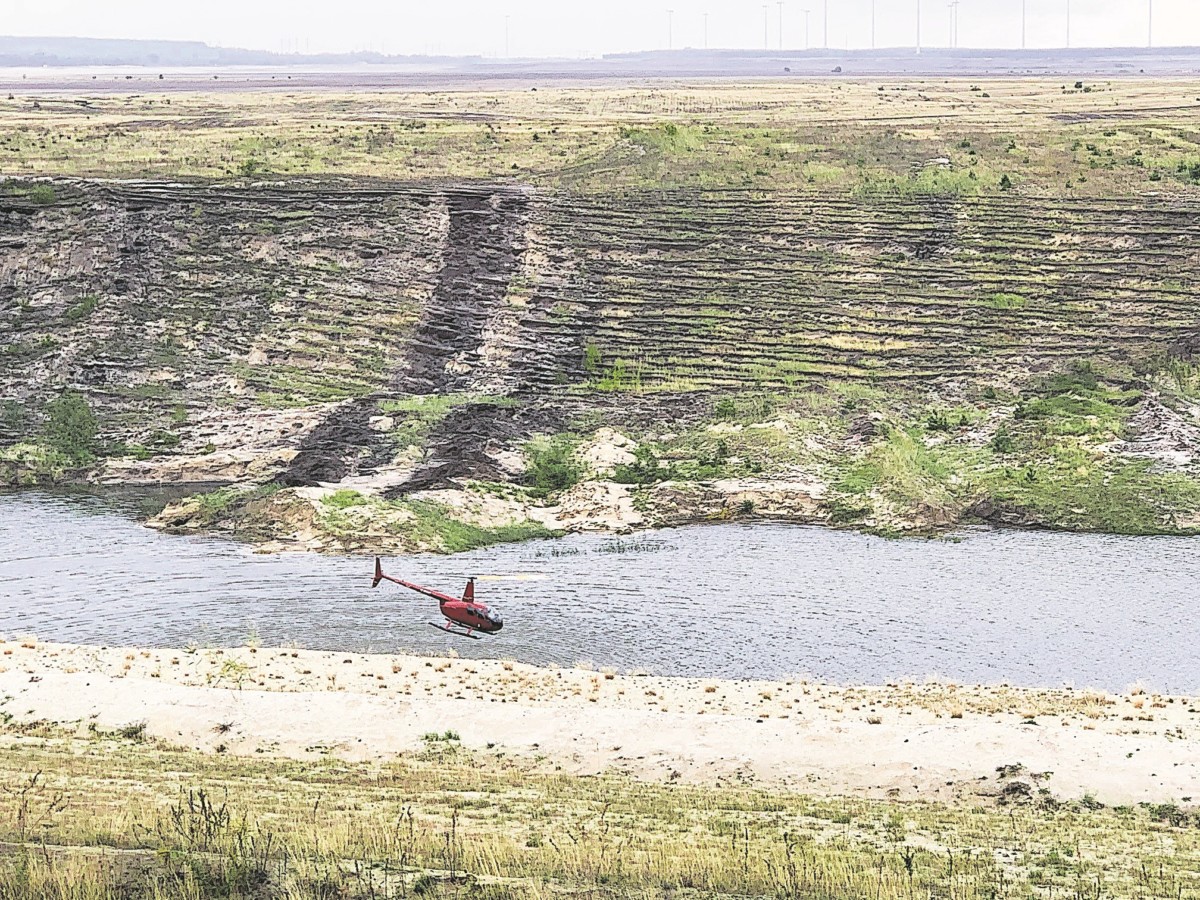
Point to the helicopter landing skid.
(451, 630)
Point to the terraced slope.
(733, 292)
(291, 332)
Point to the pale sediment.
(896, 740)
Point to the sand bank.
(898, 740)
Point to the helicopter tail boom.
(436, 595)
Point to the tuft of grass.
(1007, 301)
(344, 499)
(82, 308)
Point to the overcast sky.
(575, 28)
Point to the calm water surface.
(733, 601)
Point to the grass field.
(109, 815)
(947, 137)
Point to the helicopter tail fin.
(469, 593)
(378, 573)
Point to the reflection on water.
(728, 600)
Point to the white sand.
(909, 740)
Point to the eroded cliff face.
(395, 339)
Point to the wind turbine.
(806, 14)
(872, 24)
(1023, 20)
(706, 31)
(953, 7)
(506, 18)
(670, 30)
(779, 3)
(1150, 23)
(766, 43)
(1068, 24)
(918, 27)
(825, 23)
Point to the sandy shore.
(907, 740)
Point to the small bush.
(71, 428)
(591, 358)
(134, 731)
(937, 421)
(552, 465)
(1002, 441)
(645, 468)
(81, 309)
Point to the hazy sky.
(574, 28)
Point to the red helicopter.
(460, 614)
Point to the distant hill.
(68, 51)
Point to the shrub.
(552, 465)
(81, 309)
(937, 421)
(13, 416)
(71, 428)
(1002, 441)
(645, 468)
(591, 358)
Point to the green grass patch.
(1079, 491)
(433, 526)
(1077, 403)
(27, 464)
(38, 194)
(344, 499)
(902, 469)
(1007, 301)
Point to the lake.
(736, 601)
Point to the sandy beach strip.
(928, 740)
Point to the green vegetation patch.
(1073, 489)
(40, 194)
(1076, 403)
(1007, 301)
(71, 428)
(424, 524)
(26, 464)
(81, 308)
(432, 525)
(552, 466)
(903, 470)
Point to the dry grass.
(113, 812)
(821, 135)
